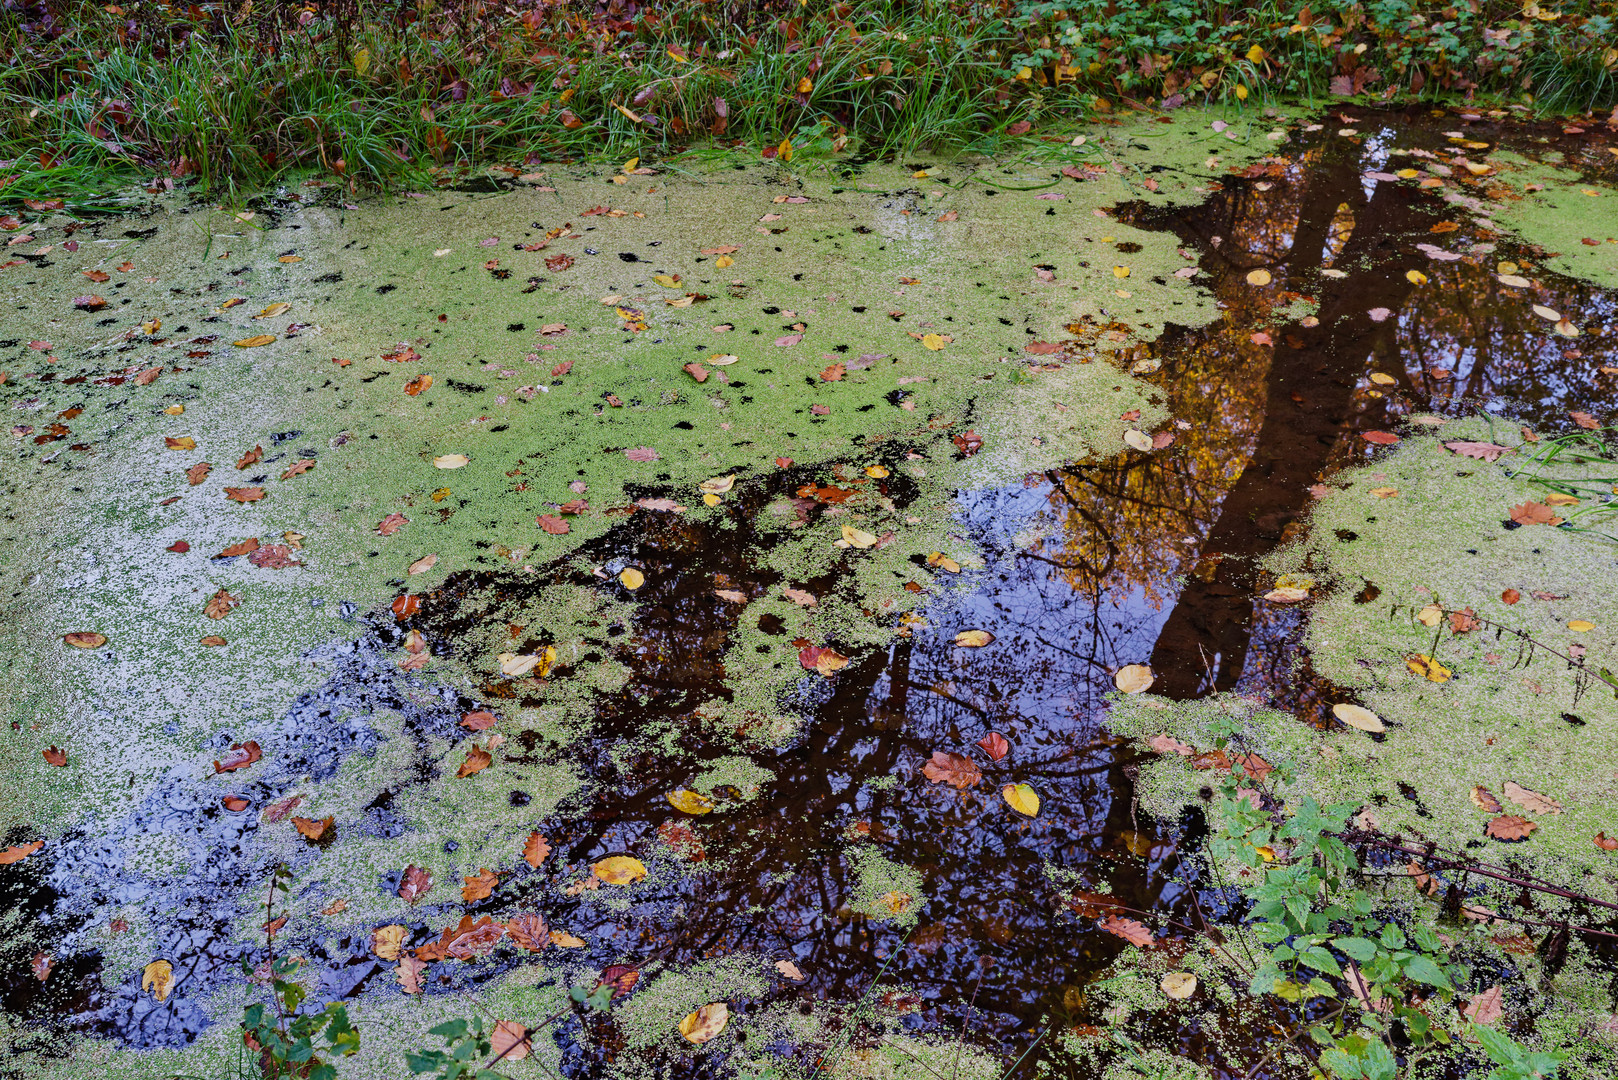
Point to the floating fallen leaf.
(943, 562)
(690, 802)
(220, 605)
(1549, 314)
(55, 756)
(1533, 513)
(1133, 678)
(789, 969)
(255, 341)
(934, 342)
(415, 386)
(619, 869)
(707, 1022)
(1258, 277)
(1481, 450)
(85, 639)
(244, 494)
(1415, 277)
(1485, 1008)
(1531, 800)
(534, 850)
(1131, 931)
(1166, 744)
(528, 930)
(995, 745)
(1484, 799)
(241, 755)
(312, 830)
(1287, 594)
(858, 538)
(386, 941)
(1138, 440)
(1380, 438)
(409, 973)
(19, 852)
(973, 639)
(450, 461)
(180, 442)
(632, 578)
(509, 1041)
(244, 547)
(1430, 616)
(1605, 842)
(422, 565)
(158, 977)
(553, 524)
(1581, 626)
(477, 759)
(1510, 828)
(1179, 984)
(1021, 798)
(1427, 667)
(479, 886)
(957, 770)
(1356, 716)
(414, 883)
(234, 803)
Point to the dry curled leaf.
(528, 930)
(158, 977)
(1484, 799)
(240, 757)
(312, 830)
(220, 605)
(1133, 678)
(477, 759)
(995, 745)
(957, 770)
(386, 941)
(244, 494)
(85, 639)
(823, 659)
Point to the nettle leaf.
(423, 1063)
(1271, 933)
(1321, 959)
(1423, 970)
(1358, 948)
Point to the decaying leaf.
(1427, 667)
(534, 849)
(528, 930)
(789, 969)
(1485, 1008)
(1021, 798)
(414, 883)
(858, 538)
(244, 494)
(1356, 716)
(409, 973)
(312, 830)
(197, 473)
(706, 1023)
(821, 658)
(220, 605)
(1481, 450)
(1531, 800)
(240, 757)
(957, 770)
(386, 941)
(1510, 828)
(619, 869)
(509, 1041)
(1533, 513)
(1131, 931)
(1179, 984)
(690, 802)
(85, 639)
(1165, 744)
(465, 940)
(19, 852)
(1484, 800)
(158, 977)
(1133, 678)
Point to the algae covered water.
(781, 532)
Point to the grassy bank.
(384, 93)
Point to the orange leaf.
(240, 757)
(1131, 931)
(312, 830)
(1510, 828)
(477, 759)
(479, 886)
(954, 769)
(535, 849)
(55, 756)
(415, 883)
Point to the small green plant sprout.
(291, 1043)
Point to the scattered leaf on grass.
(1533, 513)
(85, 639)
(244, 494)
(1484, 799)
(1427, 667)
(1380, 438)
(386, 941)
(858, 538)
(707, 1022)
(450, 461)
(197, 473)
(1580, 626)
(1430, 616)
(957, 770)
(220, 604)
(255, 341)
(422, 565)
(509, 1041)
(619, 869)
(553, 524)
(1481, 450)
(409, 973)
(1133, 678)
(1605, 842)
(1165, 744)
(1021, 798)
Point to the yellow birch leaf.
(632, 578)
(1021, 798)
(691, 802)
(934, 342)
(706, 1023)
(619, 870)
(255, 341)
(158, 976)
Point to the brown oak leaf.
(252, 457)
(197, 473)
(302, 465)
(1510, 828)
(243, 548)
(529, 932)
(1484, 800)
(535, 849)
(274, 557)
(312, 830)
(479, 886)
(1485, 1008)
(220, 605)
(1533, 513)
(1584, 420)
(552, 524)
(410, 971)
(995, 745)
(55, 756)
(947, 767)
(391, 524)
(1165, 744)
(1480, 450)
(465, 940)
(481, 720)
(1463, 621)
(244, 494)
